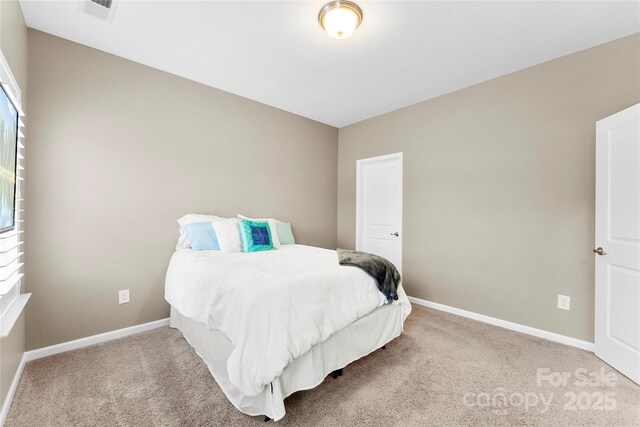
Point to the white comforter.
(273, 306)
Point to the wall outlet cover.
(123, 296)
(564, 302)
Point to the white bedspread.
(273, 305)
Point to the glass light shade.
(340, 18)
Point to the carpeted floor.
(444, 370)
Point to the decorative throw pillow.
(202, 236)
(255, 235)
(228, 235)
(183, 241)
(284, 233)
(272, 227)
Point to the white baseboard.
(551, 336)
(94, 339)
(12, 391)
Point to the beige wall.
(499, 187)
(118, 151)
(12, 348)
(13, 43)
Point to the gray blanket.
(383, 271)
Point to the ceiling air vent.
(102, 9)
(105, 3)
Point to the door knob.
(395, 234)
(599, 251)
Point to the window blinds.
(12, 300)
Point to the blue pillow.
(255, 235)
(284, 233)
(202, 237)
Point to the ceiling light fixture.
(340, 18)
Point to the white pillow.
(228, 234)
(183, 242)
(272, 228)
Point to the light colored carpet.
(422, 378)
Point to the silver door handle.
(395, 234)
(599, 251)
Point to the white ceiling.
(403, 53)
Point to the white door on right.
(379, 207)
(617, 252)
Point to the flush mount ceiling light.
(340, 18)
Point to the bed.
(268, 324)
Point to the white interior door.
(379, 207)
(617, 329)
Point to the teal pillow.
(201, 236)
(284, 233)
(255, 235)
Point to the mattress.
(308, 370)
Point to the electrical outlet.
(564, 302)
(123, 296)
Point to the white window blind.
(12, 300)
